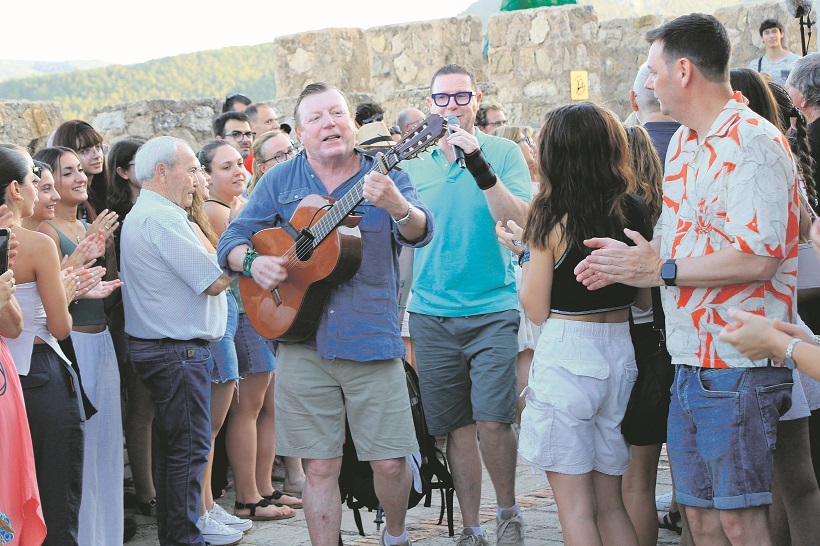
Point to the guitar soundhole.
(305, 253)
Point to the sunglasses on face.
(371, 119)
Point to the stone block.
(28, 123)
(338, 55)
(188, 119)
(405, 56)
(532, 52)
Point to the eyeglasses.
(281, 156)
(239, 136)
(526, 139)
(463, 98)
(88, 152)
(37, 170)
(371, 119)
(497, 124)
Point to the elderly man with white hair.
(174, 307)
(648, 109)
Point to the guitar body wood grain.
(293, 311)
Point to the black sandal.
(276, 495)
(252, 506)
(671, 522)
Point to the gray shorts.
(466, 368)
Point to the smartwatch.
(669, 272)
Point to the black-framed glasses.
(281, 157)
(371, 119)
(462, 98)
(526, 139)
(37, 170)
(88, 152)
(239, 136)
(498, 123)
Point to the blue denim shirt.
(360, 320)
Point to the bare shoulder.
(48, 230)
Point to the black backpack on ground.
(356, 477)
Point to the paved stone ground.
(534, 496)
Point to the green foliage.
(512, 5)
(246, 69)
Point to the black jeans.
(57, 440)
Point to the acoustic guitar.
(323, 246)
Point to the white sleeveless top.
(35, 324)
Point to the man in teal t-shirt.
(463, 315)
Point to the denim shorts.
(466, 368)
(226, 364)
(254, 352)
(722, 434)
(579, 385)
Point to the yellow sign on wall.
(579, 84)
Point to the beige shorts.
(312, 394)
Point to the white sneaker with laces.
(237, 524)
(468, 538)
(663, 502)
(509, 531)
(216, 533)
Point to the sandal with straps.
(276, 495)
(671, 522)
(252, 506)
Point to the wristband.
(250, 256)
(524, 257)
(484, 174)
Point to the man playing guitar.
(352, 363)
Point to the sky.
(139, 30)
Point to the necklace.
(70, 228)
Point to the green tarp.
(512, 5)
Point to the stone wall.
(28, 123)
(623, 51)
(405, 56)
(188, 119)
(532, 53)
(530, 56)
(337, 55)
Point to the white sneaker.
(237, 524)
(467, 538)
(509, 532)
(663, 502)
(216, 533)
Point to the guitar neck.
(347, 204)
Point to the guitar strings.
(297, 248)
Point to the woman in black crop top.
(584, 365)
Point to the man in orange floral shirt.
(727, 237)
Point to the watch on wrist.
(406, 219)
(669, 272)
(789, 361)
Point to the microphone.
(452, 121)
(799, 8)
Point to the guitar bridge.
(277, 298)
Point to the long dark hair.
(78, 134)
(760, 97)
(119, 192)
(585, 170)
(12, 167)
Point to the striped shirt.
(165, 269)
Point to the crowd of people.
(559, 290)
